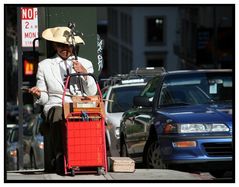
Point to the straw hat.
(61, 35)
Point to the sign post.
(27, 21)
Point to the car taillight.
(41, 145)
(13, 153)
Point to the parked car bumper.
(207, 149)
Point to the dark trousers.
(53, 140)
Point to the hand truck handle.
(79, 74)
(82, 74)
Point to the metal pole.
(20, 95)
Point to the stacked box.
(86, 104)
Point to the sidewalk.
(139, 175)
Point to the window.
(155, 33)
(155, 59)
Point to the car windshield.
(122, 98)
(197, 88)
(182, 95)
(14, 135)
(8, 133)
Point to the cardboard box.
(92, 104)
(122, 164)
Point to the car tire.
(152, 157)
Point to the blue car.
(182, 119)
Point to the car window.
(182, 95)
(150, 88)
(132, 128)
(122, 98)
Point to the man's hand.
(35, 91)
(78, 67)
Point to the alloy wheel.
(153, 157)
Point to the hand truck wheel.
(72, 172)
(101, 171)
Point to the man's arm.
(42, 97)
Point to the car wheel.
(123, 149)
(101, 171)
(152, 157)
(72, 172)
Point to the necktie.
(67, 68)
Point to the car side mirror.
(142, 101)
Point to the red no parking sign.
(29, 21)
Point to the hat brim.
(61, 35)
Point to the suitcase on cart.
(84, 134)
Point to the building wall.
(222, 15)
(86, 23)
(127, 38)
(207, 36)
(186, 45)
(139, 29)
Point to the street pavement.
(140, 175)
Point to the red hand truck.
(84, 133)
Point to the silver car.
(12, 153)
(118, 99)
(35, 142)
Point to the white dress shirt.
(50, 76)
